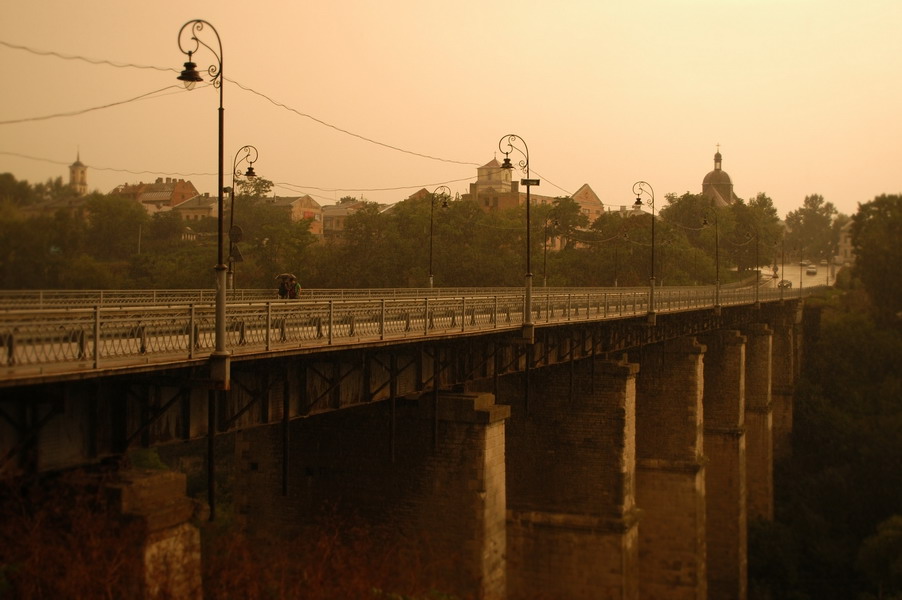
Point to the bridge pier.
(572, 520)
(444, 491)
(725, 451)
(759, 426)
(670, 472)
(169, 548)
(785, 370)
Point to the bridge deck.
(60, 336)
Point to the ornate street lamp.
(443, 192)
(757, 265)
(782, 263)
(640, 188)
(235, 233)
(219, 359)
(514, 142)
(716, 260)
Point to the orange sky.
(803, 96)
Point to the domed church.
(717, 185)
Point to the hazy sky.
(352, 97)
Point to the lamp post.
(514, 142)
(219, 359)
(801, 273)
(555, 223)
(640, 188)
(757, 265)
(716, 260)
(235, 233)
(445, 194)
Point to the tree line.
(106, 242)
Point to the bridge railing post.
(382, 321)
(192, 334)
(268, 336)
(96, 335)
(331, 319)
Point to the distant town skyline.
(380, 100)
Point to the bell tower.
(78, 176)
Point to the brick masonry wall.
(571, 476)
(450, 493)
(759, 422)
(725, 472)
(670, 473)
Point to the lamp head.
(506, 163)
(189, 75)
(638, 201)
(250, 171)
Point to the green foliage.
(843, 478)
(104, 241)
(114, 226)
(880, 558)
(876, 232)
(809, 233)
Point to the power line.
(351, 133)
(240, 86)
(82, 58)
(385, 189)
(82, 111)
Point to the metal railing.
(57, 336)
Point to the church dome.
(717, 185)
(717, 177)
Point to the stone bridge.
(616, 456)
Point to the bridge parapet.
(39, 344)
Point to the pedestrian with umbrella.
(288, 286)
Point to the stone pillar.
(171, 549)
(759, 426)
(725, 452)
(784, 376)
(572, 528)
(670, 473)
(464, 505)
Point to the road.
(826, 275)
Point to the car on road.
(811, 270)
(785, 283)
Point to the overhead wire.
(284, 106)
(74, 113)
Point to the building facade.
(162, 194)
(78, 176)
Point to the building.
(335, 216)
(158, 196)
(845, 254)
(717, 184)
(198, 207)
(299, 208)
(589, 202)
(78, 176)
(496, 189)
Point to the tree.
(757, 234)
(880, 558)
(876, 231)
(567, 220)
(808, 229)
(114, 225)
